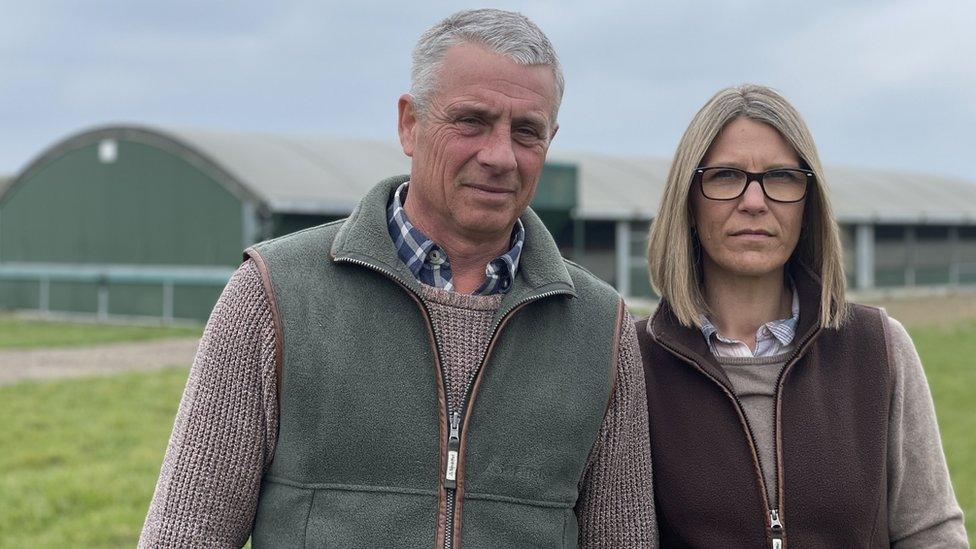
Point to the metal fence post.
(44, 299)
(168, 301)
(103, 298)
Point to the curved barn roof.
(329, 175)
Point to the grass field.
(80, 457)
(20, 333)
(949, 356)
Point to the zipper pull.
(453, 443)
(776, 528)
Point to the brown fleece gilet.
(831, 427)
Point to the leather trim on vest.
(275, 318)
(890, 386)
(617, 333)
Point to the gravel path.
(48, 363)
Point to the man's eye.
(470, 120)
(528, 132)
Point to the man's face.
(479, 149)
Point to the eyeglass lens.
(786, 185)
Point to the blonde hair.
(673, 251)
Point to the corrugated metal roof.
(302, 174)
(330, 175)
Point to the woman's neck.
(739, 305)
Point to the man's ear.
(406, 123)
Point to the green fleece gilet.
(360, 457)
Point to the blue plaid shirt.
(429, 262)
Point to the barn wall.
(148, 207)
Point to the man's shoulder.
(588, 284)
(302, 240)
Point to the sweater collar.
(364, 237)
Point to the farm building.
(138, 221)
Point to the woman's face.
(750, 236)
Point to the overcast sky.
(882, 84)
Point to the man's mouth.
(492, 189)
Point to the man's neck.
(739, 305)
(469, 254)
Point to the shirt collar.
(430, 264)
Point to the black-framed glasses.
(779, 185)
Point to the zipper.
(453, 444)
(456, 416)
(775, 529)
(450, 476)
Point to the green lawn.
(80, 457)
(949, 356)
(21, 333)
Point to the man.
(429, 371)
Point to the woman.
(779, 413)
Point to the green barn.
(147, 222)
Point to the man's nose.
(498, 151)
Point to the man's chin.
(487, 226)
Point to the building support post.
(910, 245)
(579, 239)
(955, 257)
(622, 257)
(864, 256)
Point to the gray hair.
(504, 32)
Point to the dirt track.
(934, 310)
(23, 364)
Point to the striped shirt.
(429, 262)
(772, 338)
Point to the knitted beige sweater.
(226, 427)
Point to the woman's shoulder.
(859, 314)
